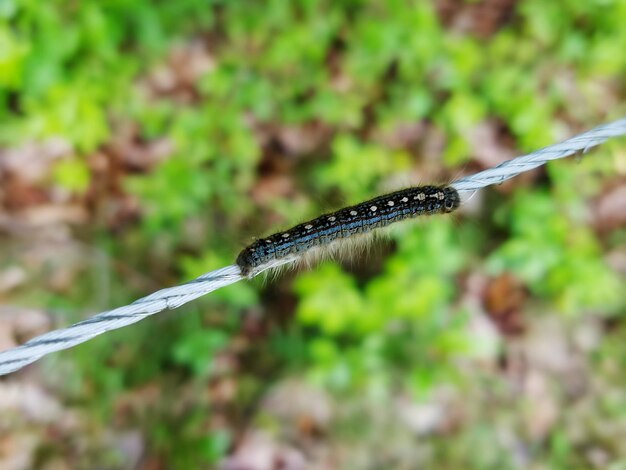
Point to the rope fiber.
(173, 297)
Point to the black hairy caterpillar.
(359, 219)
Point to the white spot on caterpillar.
(268, 241)
(308, 226)
(373, 208)
(353, 212)
(332, 219)
(405, 199)
(390, 203)
(285, 235)
(420, 196)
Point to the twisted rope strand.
(173, 297)
(169, 298)
(511, 168)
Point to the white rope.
(510, 168)
(173, 297)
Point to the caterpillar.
(344, 223)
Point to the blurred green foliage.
(75, 70)
(402, 318)
(555, 258)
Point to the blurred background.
(144, 143)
